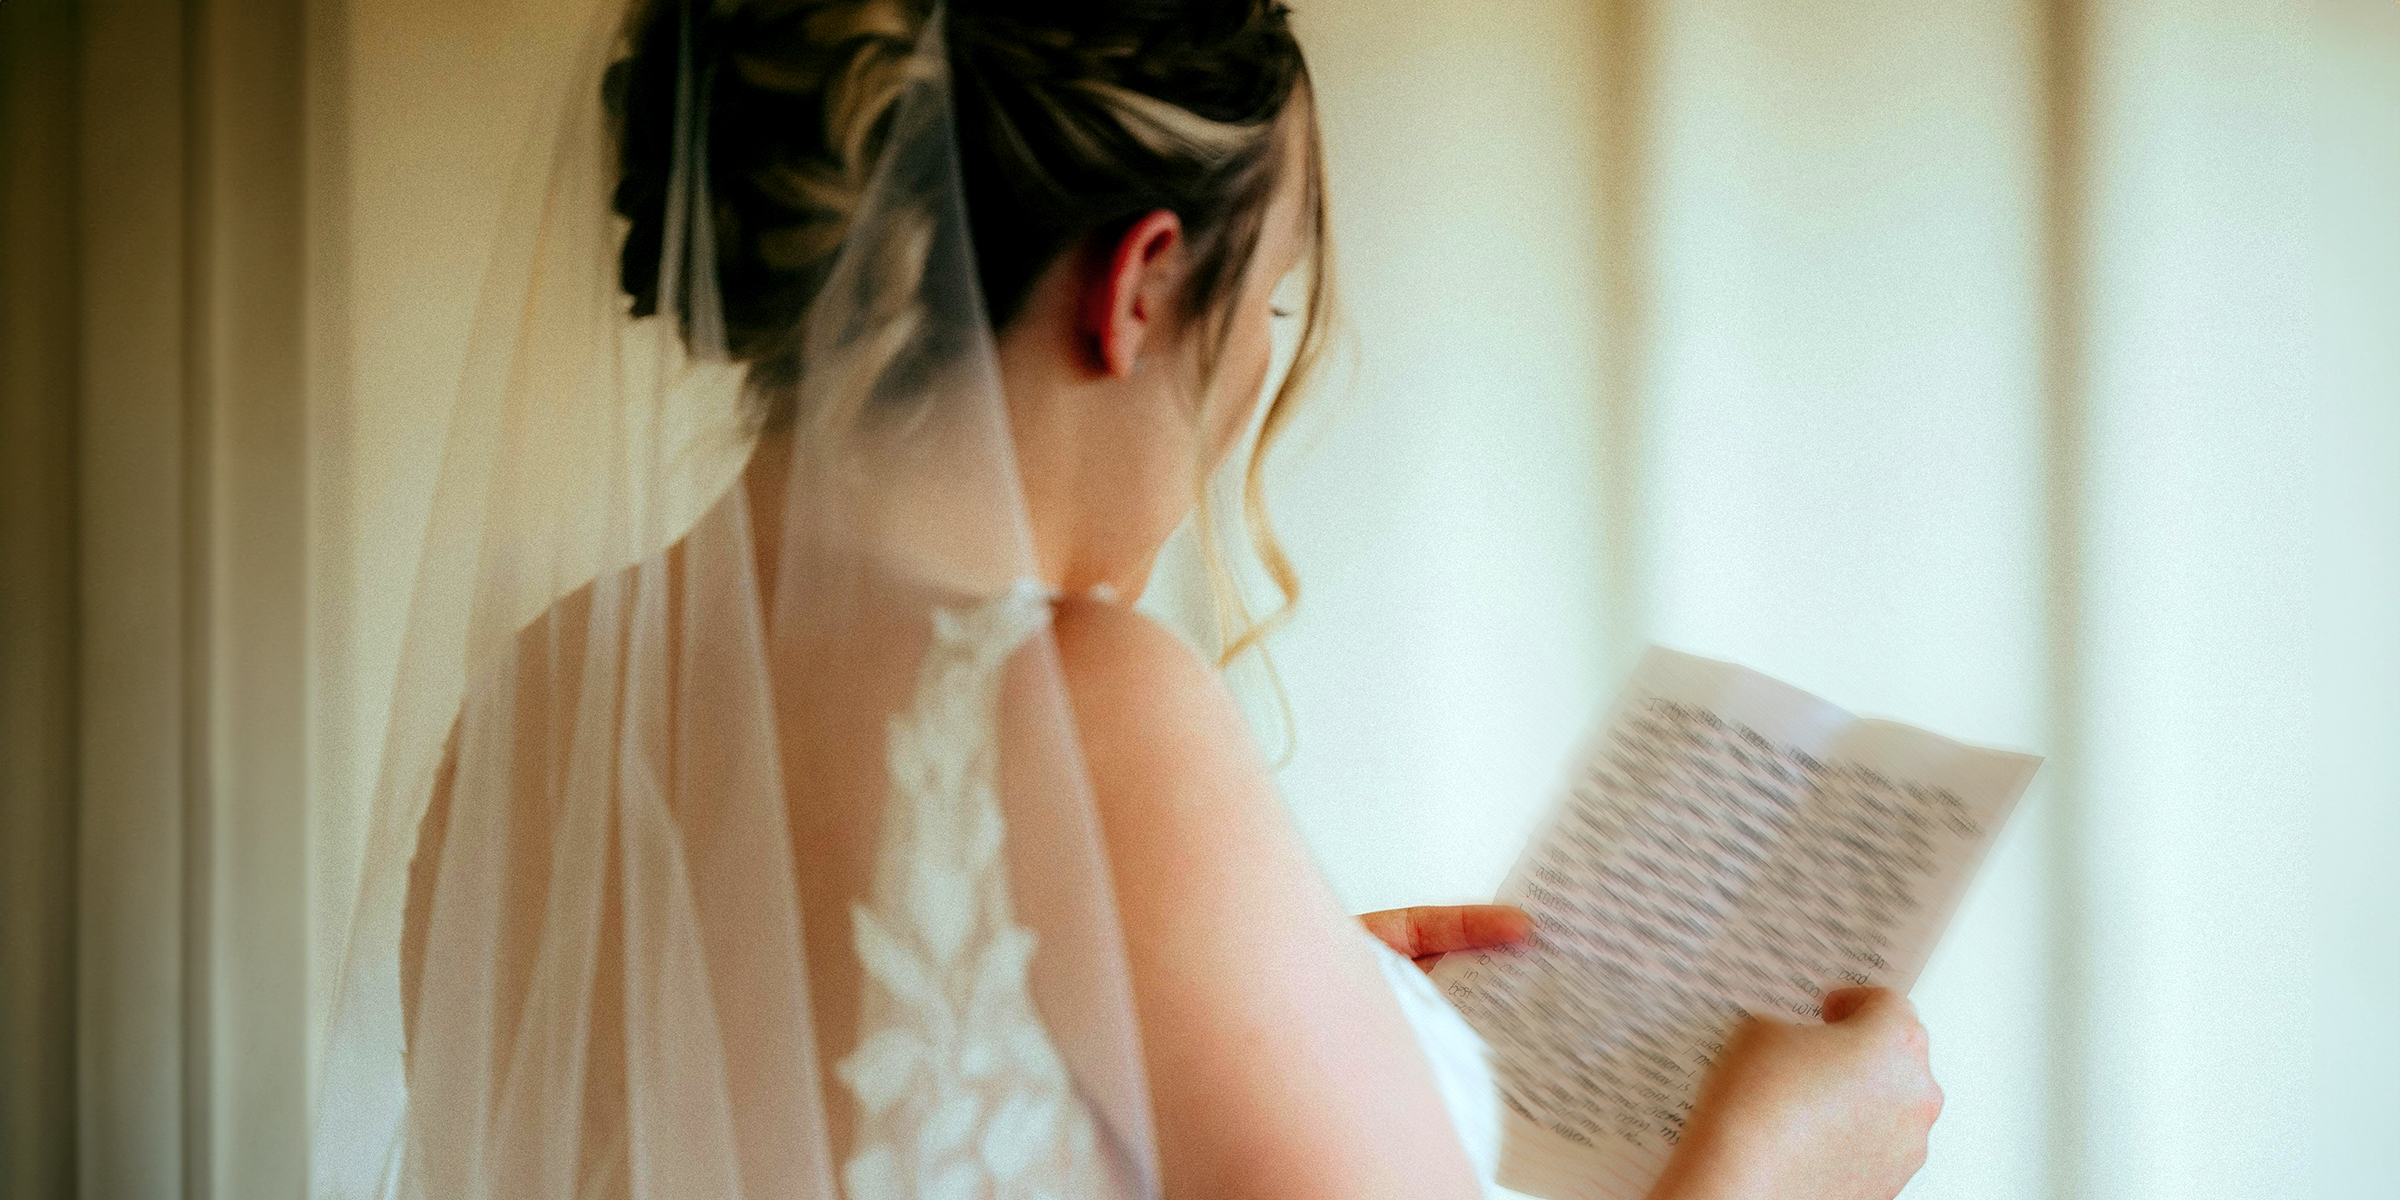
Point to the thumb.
(1843, 1003)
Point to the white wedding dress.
(960, 1091)
(1460, 1060)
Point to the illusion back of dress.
(961, 1090)
(921, 965)
(951, 1082)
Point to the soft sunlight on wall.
(1943, 362)
(438, 99)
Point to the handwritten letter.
(1728, 846)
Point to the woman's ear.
(1124, 307)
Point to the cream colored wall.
(2356, 805)
(1841, 465)
(1441, 496)
(2197, 702)
(1964, 387)
(1837, 438)
(435, 98)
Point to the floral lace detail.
(961, 1093)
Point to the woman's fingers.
(1429, 930)
(1841, 1109)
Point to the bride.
(780, 798)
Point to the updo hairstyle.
(1075, 118)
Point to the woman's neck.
(1065, 487)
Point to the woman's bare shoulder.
(1142, 694)
(1169, 752)
(1279, 1061)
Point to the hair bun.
(796, 95)
(1071, 115)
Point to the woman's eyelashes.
(1282, 312)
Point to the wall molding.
(38, 662)
(191, 862)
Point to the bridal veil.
(696, 868)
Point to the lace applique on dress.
(961, 1093)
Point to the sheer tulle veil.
(731, 838)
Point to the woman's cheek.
(1249, 359)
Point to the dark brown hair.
(1074, 119)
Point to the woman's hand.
(1838, 1111)
(1429, 931)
